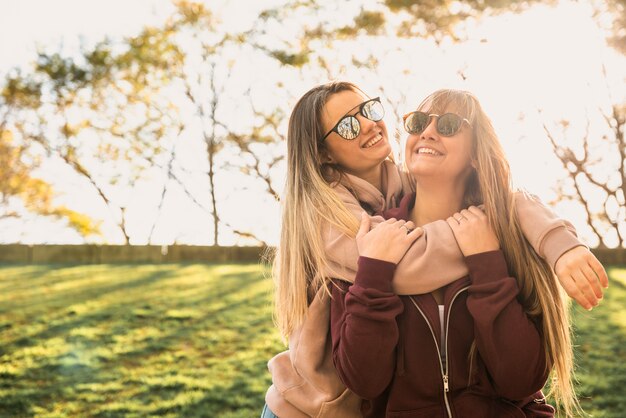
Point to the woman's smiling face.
(363, 153)
(430, 155)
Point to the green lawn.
(192, 340)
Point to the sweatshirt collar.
(403, 210)
(366, 193)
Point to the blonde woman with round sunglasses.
(340, 166)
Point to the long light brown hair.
(309, 204)
(540, 294)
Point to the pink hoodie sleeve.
(435, 259)
(550, 236)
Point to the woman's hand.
(472, 231)
(388, 241)
(581, 275)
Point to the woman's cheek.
(410, 143)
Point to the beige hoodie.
(305, 383)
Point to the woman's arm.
(578, 270)
(433, 260)
(420, 270)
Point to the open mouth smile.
(428, 151)
(375, 140)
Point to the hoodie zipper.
(444, 374)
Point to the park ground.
(193, 340)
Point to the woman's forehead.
(344, 101)
(341, 103)
(440, 107)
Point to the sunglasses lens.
(373, 110)
(349, 127)
(449, 124)
(416, 122)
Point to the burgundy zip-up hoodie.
(386, 348)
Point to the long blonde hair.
(308, 205)
(540, 294)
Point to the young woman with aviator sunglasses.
(339, 166)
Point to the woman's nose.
(431, 130)
(366, 124)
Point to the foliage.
(596, 174)
(616, 30)
(100, 113)
(429, 19)
(20, 191)
(124, 112)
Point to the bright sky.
(548, 58)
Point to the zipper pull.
(445, 383)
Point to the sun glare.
(537, 67)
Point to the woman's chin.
(380, 151)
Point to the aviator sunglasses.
(447, 124)
(349, 127)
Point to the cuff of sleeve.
(487, 267)
(557, 242)
(374, 273)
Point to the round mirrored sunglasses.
(349, 127)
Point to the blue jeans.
(267, 413)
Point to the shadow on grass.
(152, 350)
(84, 288)
(64, 319)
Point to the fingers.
(592, 280)
(400, 223)
(583, 285)
(364, 228)
(454, 224)
(598, 269)
(462, 216)
(581, 275)
(470, 214)
(477, 211)
(396, 225)
(456, 217)
(408, 227)
(575, 293)
(415, 234)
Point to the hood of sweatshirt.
(392, 182)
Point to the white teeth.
(428, 151)
(373, 141)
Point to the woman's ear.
(326, 158)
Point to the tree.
(206, 78)
(616, 24)
(99, 113)
(600, 191)
(125, 112)
(21, 192)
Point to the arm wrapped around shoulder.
(550, 236)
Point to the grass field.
(192, 340)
